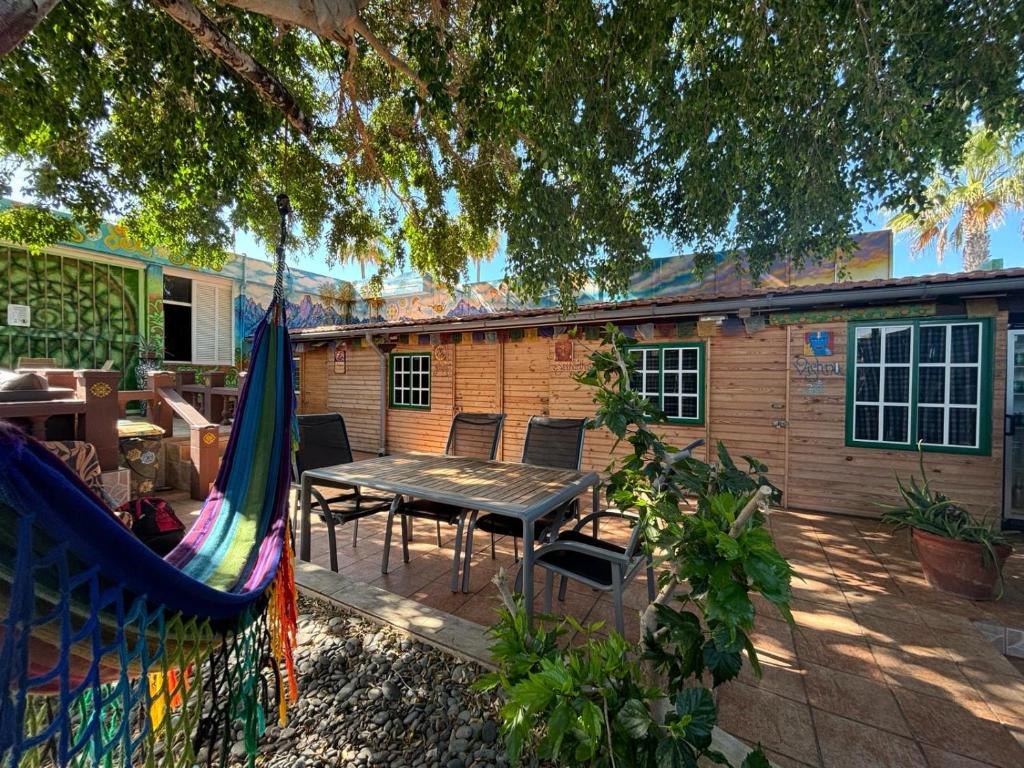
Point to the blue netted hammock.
(113, 656)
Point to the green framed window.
(920, 380)
(409, 379)
(672, 377)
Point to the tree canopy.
(964, 203)
(580, 129)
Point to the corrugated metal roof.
(767, 296)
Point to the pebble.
(371, 697)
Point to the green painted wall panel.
(83, 313)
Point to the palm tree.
(490, 248)
(372, 252)
(341, 297)
(964, 204)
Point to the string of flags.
(639, 332)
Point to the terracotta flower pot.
(960, 567)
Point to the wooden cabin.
(831, 386)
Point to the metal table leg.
(527, 567)
(304, 532)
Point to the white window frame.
(400, 360)
(216, 283)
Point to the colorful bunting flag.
(491, 337)
(664, 330)
(516, 334)
(592, 332)
(435, 339)
(754, 323)
(546, 331)
(423, 339)
(686, 328)
(403, 338)
(733, 326)
(478, 337)
(645, 331)
(629, 331)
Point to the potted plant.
(958, 552)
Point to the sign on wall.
(340, 358)
(19, 314)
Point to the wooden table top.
(524, 491)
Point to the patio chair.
(474, 435)
(549, 442)
(596, 562)
(323, 442)
(600, 564)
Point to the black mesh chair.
(474, 435)
(549, 442)
(598, 563)
(595, 562)
(323, 442)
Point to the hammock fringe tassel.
(181, 688)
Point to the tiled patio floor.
(879, 669)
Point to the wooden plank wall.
(313, 380)
(757, 403)
(356, 395)
(746, 395)
(827, 475)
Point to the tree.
(581, 130)
(964, 203)
(341, 296)
(373, 252)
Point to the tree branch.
(210, 37)
(18, 18)
(358, 25)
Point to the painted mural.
(83, 313)
(411, 297)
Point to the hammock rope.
(112, 656)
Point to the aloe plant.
(932, 511)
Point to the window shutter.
(225, 326)
(204, 319)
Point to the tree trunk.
(18, 18)
(210, 37)
(330, 19)
(976, 248)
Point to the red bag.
(154, 523)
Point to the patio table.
(522, 491)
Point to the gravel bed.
(370, 696)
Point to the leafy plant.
(606, 702)
(930, 510)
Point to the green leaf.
(699, 705)
(635, 718)
(675, 753)
(756, 759)
(723, 663)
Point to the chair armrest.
(605, 513)
(583, 549)
(686, 452)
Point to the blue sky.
(1007, 244)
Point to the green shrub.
(606, 702)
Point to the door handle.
(1009, 425)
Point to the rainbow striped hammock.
(113, 656)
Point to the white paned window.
(881, 405)
(671, 377)
(646, 374)
(949, 385)
(198, 321)
(410, 380)
(921, 382)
